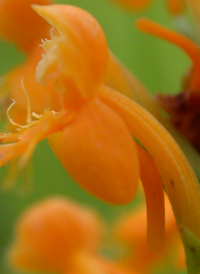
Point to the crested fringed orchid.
(92, 133)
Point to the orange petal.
(80, 48)
(99, 153)
(24, 142)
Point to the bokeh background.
(160, 67)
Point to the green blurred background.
(156, 63)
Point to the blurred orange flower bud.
(57, 235)
(52, 233)
(19, 24)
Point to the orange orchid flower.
(11, 83)
(138, 255)
(117, 77)
(20, 25)
(116, 160)
(57, 235)
(184, 107)
(91, 134)
(174, 6)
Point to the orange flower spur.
(61, 236)
(92, 133)
(183, 108)
(138, 255)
